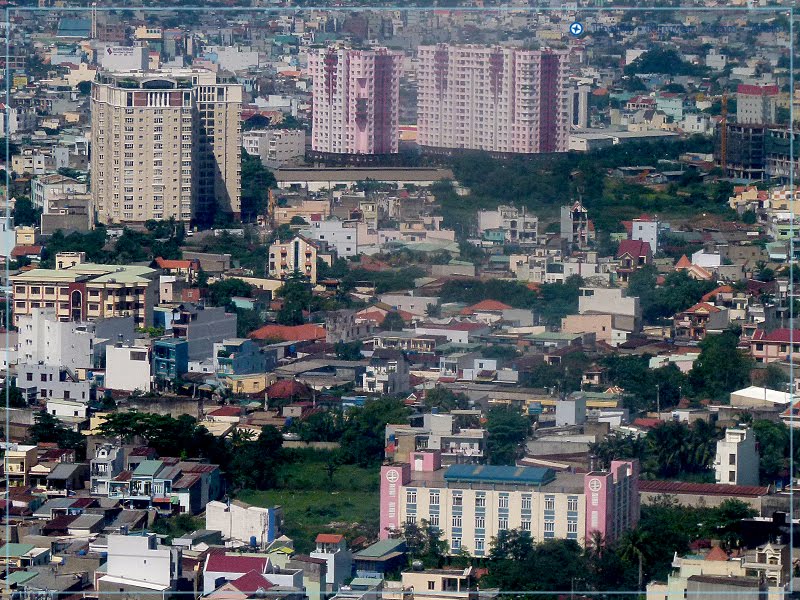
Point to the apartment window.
(480, 522)
(732, 476)
(479, 545)
(434, 520)
(411, 519)
(732, 459)
(49, 291)
(525, 525)
(572, 504)
(431, 585)
(457, 500)
(572, 527)
(502, 523)
(35, 290)
(434, 499)
(411, 496)
(526, 502)
(457, 521)
(549, 526)
(456, 543)
(549, 502)
(502, 502)
(480, 501)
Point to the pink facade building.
(471, 503)
(355, 100)
(493, 98)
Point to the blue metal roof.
(500, 474)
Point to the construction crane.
(723, 132)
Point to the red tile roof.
(166, 263)
(288, 388)
(223, 563)
(683, 263)
(778, 335)
(226, 411)
(717, 554)
(26, 251)
(494, 305)
(723, 289)
(251, 582)
(329, 538)
(633, 248)
(289, 333)
(646, 422)
(701, 489)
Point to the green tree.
(721, 367)
(444, 399)
(507, 430)
(348, 350)
(256, 183)
(393, 322)
(634, 545)
(221, 292)
(25, 213)
(364, 434)
(47, 428)
(297, 297)
(773, 450)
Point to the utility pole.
(658, 400)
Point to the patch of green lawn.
(313, 503)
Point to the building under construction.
(756, 152)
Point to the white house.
(736, 461)
(128, 368)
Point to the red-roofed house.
(694, 323)
(189, 268)
(220, 567)
(694, 271)
(632, 255)
(30, 252)
(484, 306)
(332, 548)
(780, 344)
(289, 333)
(249, 585)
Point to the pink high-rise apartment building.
(356, 95)
(492, 98)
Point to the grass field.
(313, 503)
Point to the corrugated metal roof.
(500, 474)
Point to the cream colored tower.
(165, 144)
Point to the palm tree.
(632, 548)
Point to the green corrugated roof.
(380, 548)
(19, 577)
(147, 468)
(16, 549)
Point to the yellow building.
(86, 292)
(249, 384)
(17, 461)
(298, 254)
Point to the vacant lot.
(313, 502)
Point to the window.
(572, 503)
(411, 519)
(479, 545)
(549, 526)
(480, 501)
(549, 502)
(457, 521)
(732, 476)
(480, 522)
(431, 585)
(526, 502)
(572, 527)
(732, 459)
(526, 525)
(502, 523)
(502, 502)
(456, 543)
(457, 500)
(434, 520)
(411, 496)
